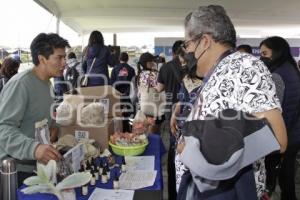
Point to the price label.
(105, 103)
(81, 135)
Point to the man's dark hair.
(71, 55)
(247, 48)
(176, 46)
(124, 57)
(44, 44)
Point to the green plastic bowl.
(128, 151)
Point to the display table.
(155, 148)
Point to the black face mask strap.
(191, 66)
(197, 46)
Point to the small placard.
(105, 103)
(75, 156)
(42, 134)
(81, 135)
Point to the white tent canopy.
(257, 17)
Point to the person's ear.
(206, 41)
(42, 59)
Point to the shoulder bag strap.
(92, 66)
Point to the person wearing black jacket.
(121, 77)
(276, 54)
(169, 79)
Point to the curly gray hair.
(212, 20)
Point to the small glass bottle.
(81, 168)
(96, 175)
(95, 167)
(123, 166)
(107, 171)
(104, 176)
(84, 189)
(88, 164)
(93, 182)
(100, 169)
(93, 162)
(116, 182)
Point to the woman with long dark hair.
(96, 59)
(276, 54)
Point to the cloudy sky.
(22, 20)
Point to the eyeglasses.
(187, 43)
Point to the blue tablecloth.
(155, 148)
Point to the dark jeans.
(171, 170)
(287, 174)
(272, 162)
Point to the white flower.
(44, 182)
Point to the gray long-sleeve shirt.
(24, 100)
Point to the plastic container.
(128, 150)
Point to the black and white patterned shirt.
(240, 82)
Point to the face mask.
(267, 61)
(191, 61)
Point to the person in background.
(26, 100)
(169, 79)
(121, 79)
(161, 61)
(60, 87)
(276, 54)
(244, 48)
(186, 98)
(96, 60)
(122, 72)
(231, 80)
(9, 68)
(72, 61)
(147, 78)
(73, 71)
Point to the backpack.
(72, 76)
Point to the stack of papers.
(105, 194)
(139, 163)
(140, 173)
(132, 180)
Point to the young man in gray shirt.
(25, 100)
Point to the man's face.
(56, 62)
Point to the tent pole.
(114, 39)
(57, 24)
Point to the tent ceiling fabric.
(83, 16)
